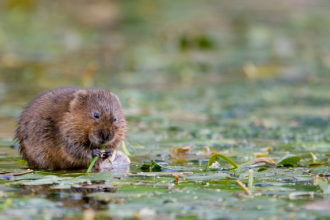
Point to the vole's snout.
(105, 137)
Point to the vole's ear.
(115, 102)
(114, 97)
(80, 99)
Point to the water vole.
(65, 128)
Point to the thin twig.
(246, 190)
(28, 171)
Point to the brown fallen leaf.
(180, 152)
(22, 173)
(264, 160)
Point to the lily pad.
(153, 166)
(288, 160)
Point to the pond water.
(247, 80)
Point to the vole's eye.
(96, 115)
(114, 119)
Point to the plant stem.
(94, 161)
(250, 183)
(123, 146)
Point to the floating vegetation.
(289, 160)
(215, 159)
(153, 166)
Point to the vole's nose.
(105, 137)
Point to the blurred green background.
(188, 61)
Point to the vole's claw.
(107, 153)
(96, 152)
(103, 154)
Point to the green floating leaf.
(262, 169)
(216, 158)
(153, 166)
(289, 159)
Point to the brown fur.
(58, 129)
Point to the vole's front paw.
(106, 153)
(96, 152)
(103, 154)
